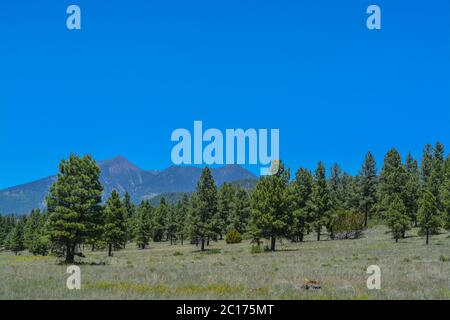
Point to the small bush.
(233, 236)
(444, 259)
(257, 249)
(177, 253)
(348, 224)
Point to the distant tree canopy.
(404, 195)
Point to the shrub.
(233, 236)
(257, 249)
(348, 224)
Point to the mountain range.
(122, 175)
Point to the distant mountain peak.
(122, 175)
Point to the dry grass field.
(410, 270)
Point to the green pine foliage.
(36, 239)
(320, 202)
(300, 193)
(204, 209)
(397, 218)
(159, 221)
(15, 240)
(115, 223)
(143, 230)
(270, 207)
(240, 213)
(74, 206)
(368, 182)
(429, 217)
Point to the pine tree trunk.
(319, 227)
(69, 254)
(110, 250)
(203, 245)
(300, 237)
(427, 236)
(181, 240)
(272, 243)
(207, 242)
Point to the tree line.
(402, 195)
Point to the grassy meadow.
(410, 270)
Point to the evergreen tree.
(159, 221)
(240, 213)
(393, 180)
(301, 189)
(428, 216)
(115, 226)
(183, 211)
(130, 210)
(397, 219)
(336, 185)
(225, 203)
(320, 203)
(74, 208)
(7, 225)
(143, 229)
(412, 188)
(444, 195)
(172, 224)
(204, 208)
(35, 238)
(368, 186)
(16, 241)
(270, 206)
(426, 164)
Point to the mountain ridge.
(121, 174)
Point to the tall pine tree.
(204, 208)
(368, 186)
(74, 208)
(320, 203)
(270, 206)
(115, 224)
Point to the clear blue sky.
(140, 69)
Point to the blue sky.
(140, 69)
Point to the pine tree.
(225, 202)
(204, 208)
(172, 224)
(428, 216)
(16, 241)
(444, 195)
(426, 164)
(143, 229)
(393, 180)
(115, 227)
(130, 210)
(336, 185)
(270, 206)
(301, 189)
(159, 221)
(320, 202)
(397, 219)
(74, 208)
(368, 186)
(183, 212)
(8, 224)
(35, 239)
(412, 188)
(240, 213)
